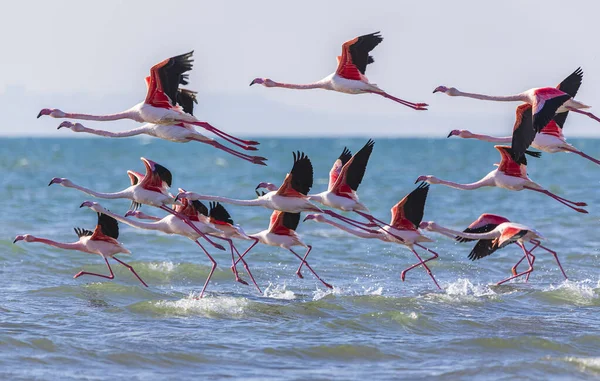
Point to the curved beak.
(435, 91)
(450, 134)
(40, 114)
(251, 83)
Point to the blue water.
(371, 324)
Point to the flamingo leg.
(381, 223)
(233, 251)
(514, 268)
(553, 254)
(212, 269)
(310, 268)
(586, 113)
(528, 271)
(244, 144)
(563, 201)
(582, 155)
(435, 255)
(247, 269)
(191, 225)
(415, 106)
(130, 269)
(357, 224)
(253, 159)
(421, 262)
(111, 276)
(247, 250)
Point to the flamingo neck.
(491, 139)
(126, 193)
(497, 98)
(485, 182)
(61, 245)
(157, 225)
(128, 114)
(314, 85)
(453, 233)
(136, 131)
(358, 233)
(233, 201)
(144, 216)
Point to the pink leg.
(553, 254)
(212, 269)
(421, 262)
(415, 106)
(253, 159)
(111, 276)
(247, 268)
(561, 200)
(310, 268)
(191, 224)
(244, 144)
(380, 223)
(582, 155)
(130, 269)
(528, 271)
(357, 224)
(241, 258)
(435, 255)
(233, 251)
(587, 113)
(514, 268)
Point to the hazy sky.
(92, 57)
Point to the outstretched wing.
(186, 99)
(219, 213)
(165, 78)
(82, 232)
(337, 167)
(200, 207)
(108, 225)
(352, 64)
(291, 220)
(569, 85)
(411, 208)
(353, 171)
(523, 132)
(300, 178)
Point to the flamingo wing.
(523, 131)
(546, 103)
(283, 223)
(352, 64)
(353, 171)
(219, 213)
(186, 99)
(509, 165)
(135, 177)
(82, 232)
(199, 207)
(408, 213)
(337, 167)
(300, 179)
(165, 78)
(569, 85)
(484, 224)
(510, 235)
(164, 174)
(483, 248)
(107, 229)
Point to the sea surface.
(370, 325)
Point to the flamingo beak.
(450, 134)
(40, 114)
(251, 83)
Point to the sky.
(92, 57)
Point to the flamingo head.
(460, 133)
(427, 225)
(181, 196)
(428, 179)
(446, 90)
(62, 181)
(53, 112)
(315, 216)
(96, 207)
(132, 213)
(24, 237)
(263, 81)
(77, 127)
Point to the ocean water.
(370, 325)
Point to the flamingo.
(403, 229)
(349, 76)
(282, 233)
(511, 175)
(179, 132)
(545, 101)
(290, 197)
(217, 223)
(149, 189)
(160, 106)
(495, 232)
(344, 178)
(195, 211)
(102, 241)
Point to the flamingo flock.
(167, 113)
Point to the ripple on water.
(342, 352)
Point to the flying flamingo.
(290, 197)
(217, 223)
(494, 232)
(179, 132)
(546, 101)
(344, 178)
(102, 241)
(403, 229)
(349, 76)
(511, 175)
(149, 189)
(282, 233)
(160, 106)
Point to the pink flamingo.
(546, 101)
(403, 229)
(149, 189)
(344, 178)
(102, 241)
(160, 105)
(179, 132)
(282, 233)
(290, 197)
(349, 76)
(495, 232)
(511, 174)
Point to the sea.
(371, 325)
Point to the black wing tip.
(536, 154)
(200, 207)
(164, 174)
(109, 225)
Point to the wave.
(591, 364)
(333, 352)
(579, 293)
(278, 292)
(208, 306)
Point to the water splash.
(319, 294)
(165, 266)
(583, 292)
(209, 306)
(278, 292)
(585, 363)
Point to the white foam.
(580, 291)
(222, 305)
(278, 292)
(165, 267)
(464, 287)
(321, 293)
(590, 363)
